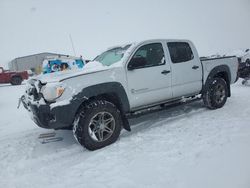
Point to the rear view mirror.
(137, 62)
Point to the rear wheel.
(16, 80)
(216, 93)
(97, 125)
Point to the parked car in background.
(97, 101)
(245, 58)
(15, 78)
(62, 63)
(244, 63)
(242, 55)
(244, 67)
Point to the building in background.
(30, 62)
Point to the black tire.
(16, 80)
(216, 93)
(89, 112)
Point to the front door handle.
(195, 67)
(165, 72)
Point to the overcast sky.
(34, 26)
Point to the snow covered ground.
(181, 147)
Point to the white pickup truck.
(95, 102)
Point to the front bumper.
(60, 117)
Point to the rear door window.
(180, 52)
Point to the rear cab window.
(180, 52)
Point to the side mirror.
(137, 62)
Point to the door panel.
(150, 83)
(185, 79)
(186, 69)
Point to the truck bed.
(230, 61)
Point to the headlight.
(52, 91)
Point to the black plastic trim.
(105, 89)
(215, 71)
(63, 116)
(56, 118)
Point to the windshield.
(112, 56)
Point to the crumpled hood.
(91, 67)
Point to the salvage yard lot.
(183, 146)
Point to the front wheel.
(16, 80)
(97, 125)
(215, 94)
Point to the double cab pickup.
(96, 102)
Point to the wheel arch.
(221, 71)
(112, 91)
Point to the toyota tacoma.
(96, 102)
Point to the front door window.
(150, 54)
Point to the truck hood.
(89, 68)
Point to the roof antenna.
(72, 44)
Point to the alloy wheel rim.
(101, 126)
(220, 93)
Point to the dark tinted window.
(152, 54)
(180, 52)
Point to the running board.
(161, 107)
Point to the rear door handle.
(165, 72)
(195, 67)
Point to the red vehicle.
(15, 78)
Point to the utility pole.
(72, 44)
